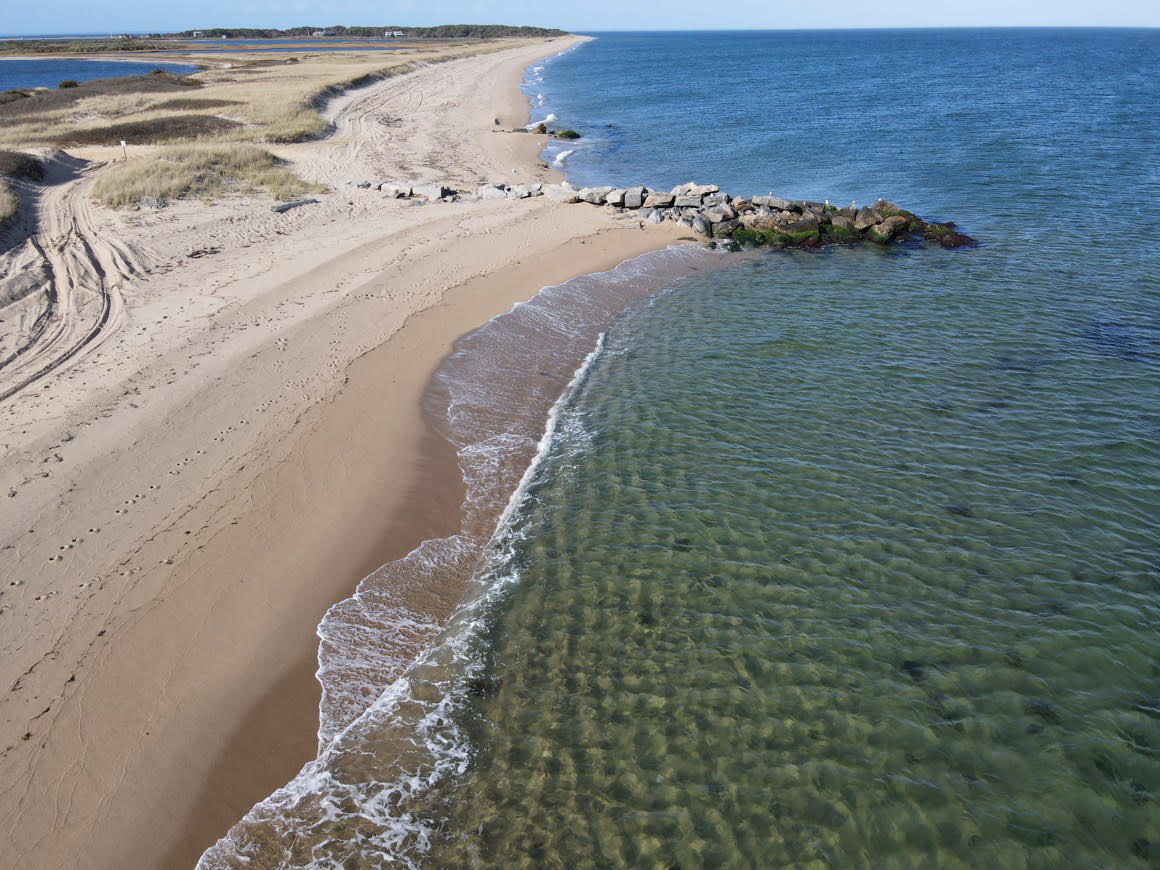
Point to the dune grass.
(9, 204)
(150, 131)
(202, 172)
(15, 165)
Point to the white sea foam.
(389, 731)
(562, 156)
(548, 120)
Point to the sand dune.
(216, 432)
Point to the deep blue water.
(16, 73)
(846, 557)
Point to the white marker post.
(124, 149)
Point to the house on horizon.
(392, 34)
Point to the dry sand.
(234, 450)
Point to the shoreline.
(431, 508)
(187, 674)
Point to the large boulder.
(687, 200)
(523, 191)
(395, 191)
(615, 197)
(659, 200)
(758, 222)
(560, 193)
(654, 216)
(701, 225)
(721, 229)
(866, 218)
(956, 240)
(774, 202)
(883, 232)
(842, 221)
(719, 213)
(783, 222)
(431, 191)
(491, 191)
(634, 196)
(694, 189)
(807, 223)
(594, 195)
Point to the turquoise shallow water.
(835, 558)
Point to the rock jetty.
(710, 212)
(770, 220)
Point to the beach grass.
(15, 165)
(156, 130)
(9, 203)
(202, 172)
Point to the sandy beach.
(237, 447)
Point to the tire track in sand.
(83, 271)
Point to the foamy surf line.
(395, 672)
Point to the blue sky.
(85, 16)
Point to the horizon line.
(583, 30)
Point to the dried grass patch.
(17, 164)
(151, 131)
(200, 172)
(9, 203)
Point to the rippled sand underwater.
(800, 587)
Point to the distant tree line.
(443, 31)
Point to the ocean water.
(17, 73)
(847, 557)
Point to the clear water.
(810, 581)
(17, 73)
(837, 558)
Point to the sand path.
(225, 444)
